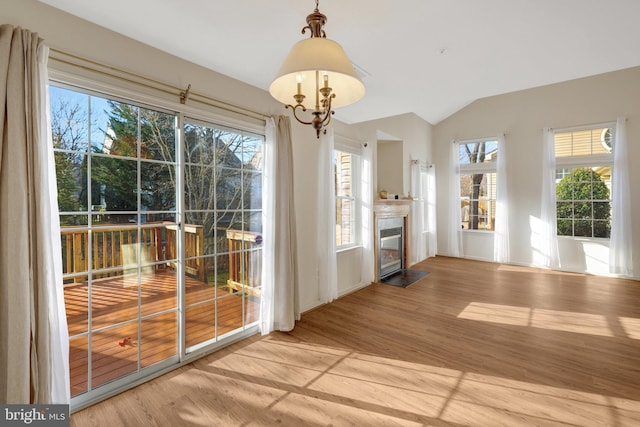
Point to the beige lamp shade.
(300, 66)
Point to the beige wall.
(69, 34)
(522, 116)
(75, 36)
(390, 167)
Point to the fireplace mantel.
(386, 208)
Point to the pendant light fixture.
(318, 68)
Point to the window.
(347, 188)
(478, 179)
(583, 181)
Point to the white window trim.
(585, 161)
(356, 178)
(473, 168)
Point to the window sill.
(347, 249)
(585, 239)
(478, 231)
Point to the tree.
(583, 207)
(114, 180)
(68, 133)
(475, 153)
(218, 183)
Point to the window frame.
(589, 161)
(356, 194)
(477, 168)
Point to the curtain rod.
(584, 127)
(484, 139)
(138, 79)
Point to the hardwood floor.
(471, 344)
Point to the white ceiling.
(429, 57)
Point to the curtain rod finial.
(184, 95)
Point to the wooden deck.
(115, 350)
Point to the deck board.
(116, 300)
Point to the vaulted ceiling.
(429, 57)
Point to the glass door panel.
(159, 338)
(114, 353)
(223, 197)
(132, 254)
(116, 167)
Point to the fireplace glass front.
(391, 246)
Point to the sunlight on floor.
(312, 384)
(528, 270)
(567, 321)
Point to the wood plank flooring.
(471, 344)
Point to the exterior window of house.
(584, 163)
(347, 190)
(478, 179)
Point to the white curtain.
(620, 259)
(548, 232)
(327, 262)
(417, 239)
(455, 211)
(33, 328)
(430, 200)
(366, 200)
(501, 232)
(278, 304)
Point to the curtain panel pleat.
(430, 200)
(501, 232)
(548, 235)
(278, 304)
(33, 328)
(366, 171)
(455, 212)
(417, 240)
(620, 245)
(327, 262)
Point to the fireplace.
(391, 238)
(390, 246)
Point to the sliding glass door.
(161, 252)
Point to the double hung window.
(478, 180)
(346, 165)
(584, 164)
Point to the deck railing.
(245, 261)
(115, 250)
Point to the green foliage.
(583, 207)
(114, 180)
(133, 166)
(68, 134)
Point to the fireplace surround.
(391, 236)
